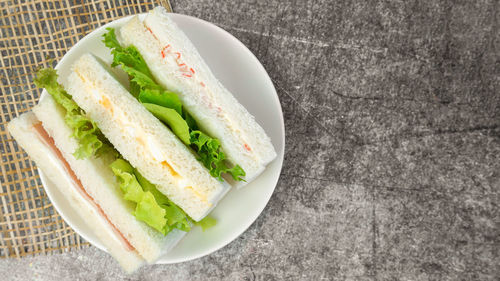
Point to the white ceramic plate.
(240, 71)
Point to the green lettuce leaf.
(167, 107)
(152, 206)
(212, 156)
(207, 222)
(162, 98)
(129, 185)
(109, 39)
(151, 213)
(176, 217)
(135, 89)
(189, 120)
(125, 56)
(90, 139)
(172, 119)
(143, 80)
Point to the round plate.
(240, 71)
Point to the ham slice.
(49, 142)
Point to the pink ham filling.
(49, 142)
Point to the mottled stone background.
(392, 170)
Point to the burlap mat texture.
(34, 34)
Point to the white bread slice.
(22, 130)
(100, 183)
(215, 109)
(143, 140)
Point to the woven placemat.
(32, 33)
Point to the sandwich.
(29, 132)
(134, 220)
(142, 139)
(159, 58)
(89, 184)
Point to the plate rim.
(279, 158)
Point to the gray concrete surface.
(392, 168)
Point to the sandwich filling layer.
(136, 132)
